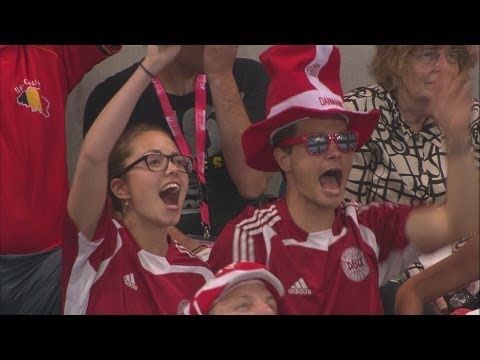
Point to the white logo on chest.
(299, 288)
(129, 280)
(354, 264)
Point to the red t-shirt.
(113, 275)
(35, 81)
(337, 271)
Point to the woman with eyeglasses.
(127, 264)
(405, 160)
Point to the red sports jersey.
(336, 271)
(113, 275)
(34, 84)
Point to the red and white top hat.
(304, 82)
(226, 278)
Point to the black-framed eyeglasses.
(159, 162)
(431, 56)
(317, 144)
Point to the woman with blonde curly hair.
(405, 159)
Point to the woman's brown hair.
(389, 62)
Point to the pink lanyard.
(172, 120)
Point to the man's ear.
(119, 188)
(283, 159)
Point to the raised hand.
(159, 56)
(451, 108)
(218, 59)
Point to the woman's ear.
(119, 188)
(283, 159)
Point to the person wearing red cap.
(241, 288)
(330, 255)
(35, 81)
(234, 94)
(129, 265)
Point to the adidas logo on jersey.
(130, 281)
(299, 288)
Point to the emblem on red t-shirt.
(354, 264)
(30, 95)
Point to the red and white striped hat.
(225, 279)
(304, 82)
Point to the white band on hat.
(315, 100)
(322, 55)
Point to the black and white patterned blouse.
(396, 164)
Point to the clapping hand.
(451, 108)
(159, 56)
(218, 60)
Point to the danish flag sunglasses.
(317, 144)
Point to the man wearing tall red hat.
(330, 255)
